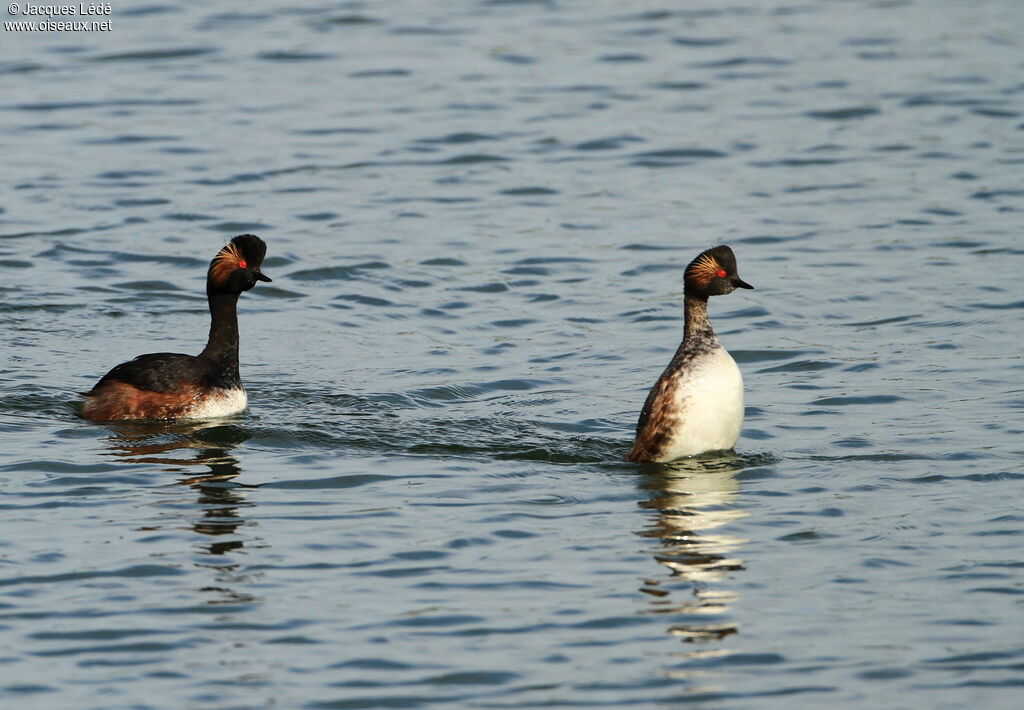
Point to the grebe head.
(236, 267)
(713, 273)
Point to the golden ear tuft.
(227, 260)
(703, 269)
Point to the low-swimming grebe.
(697, 403)
(177, 386)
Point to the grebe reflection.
(693, 500)
(183, 448)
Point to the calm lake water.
(477, 216)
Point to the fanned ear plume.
(702, 270)
(227, 260)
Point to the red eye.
(721, 273)
(242, 265)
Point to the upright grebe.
(177, 386)
(697, 403)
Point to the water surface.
(477, 216)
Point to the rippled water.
(477, 216)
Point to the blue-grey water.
(477, 216)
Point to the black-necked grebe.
(177, 386)
(697, 403)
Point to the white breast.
(219, 403)
(709, 399)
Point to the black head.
(236, 267)
(713, 273)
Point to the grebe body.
(178, 386)
(696, 405)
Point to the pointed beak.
(260, 276)
(740, 283)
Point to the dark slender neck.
(222, 347)
(697, 330)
